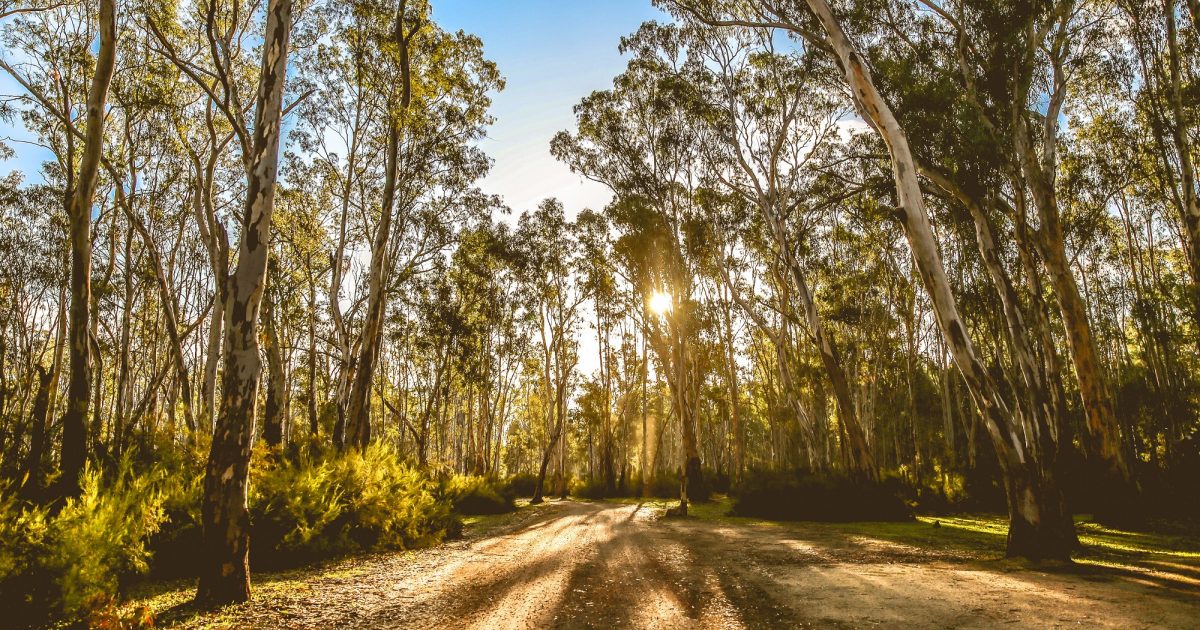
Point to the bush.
(316, 506)
(72, 565)
(522, 485)
(474, 496)
(593, 489)
(804, 496)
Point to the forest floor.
(603, 565)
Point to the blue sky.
(552, 53)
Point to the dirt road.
(596, 565)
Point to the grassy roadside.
(1167, 555)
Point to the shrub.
(662, 486)
(522, 485)
(593, 489)
(72, 565)
(320, 505)
(472, 495)
(804, 496)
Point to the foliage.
(477, 496)
(522, 484)
(805, 496)
(317, 506)
(71, 565)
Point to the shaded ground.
(602, 565)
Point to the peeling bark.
(225, 567)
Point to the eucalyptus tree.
(636, 140)
(419, 122)
(225, 574)
(82, 149)
(1040, 525)
(548, 255)
(1024, 73)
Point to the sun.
(660, 302)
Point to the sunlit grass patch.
(1097, 536)
(716, 509)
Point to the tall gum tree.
(225, 520)
(79, 214)
(634, 141)
(1039, 525)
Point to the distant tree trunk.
(276, 404)
(647, 470)
(685, 406)
(79, 214)
(225, 560)
(546, 455)
(564, 486)
(121, 404)
(554, 422)
(312, 358)
(731, 383)
(31, 473)
(216, 242)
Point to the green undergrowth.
(806, 496)
(475, 496)
(140, 519)
(71, 563)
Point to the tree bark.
(79, 214)
(225, 564)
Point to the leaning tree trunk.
(1183, 149)
(731, 383)
(79, 213)
(225, 558)
(541, 480)
(862, 462)
(1039, 525)
(170, 313)
(1104, 430)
